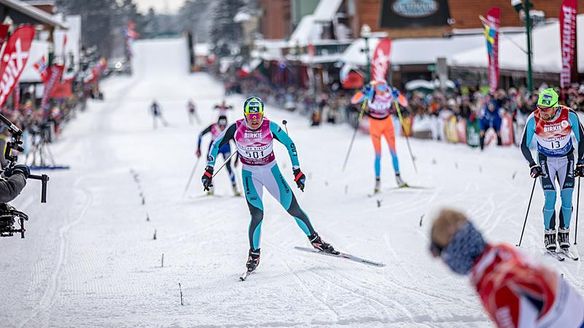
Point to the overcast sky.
(161, 6)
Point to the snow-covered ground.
(89, 257)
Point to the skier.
(223, 108)
(254, 136)
(514, 291)
(379, 101)
(490, 118)
(157, 114)
(552, 125)
(192, 112)
(216, 129)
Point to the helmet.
(222, 120)
(253, 106)
(547, 98)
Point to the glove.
(207, 178)
(536, 171)
(579, 171)
(395, 93)
(368, 91)
(198, 152)
(18, 168)
(299, 178)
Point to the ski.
(555, 255)
(246, 274)
(568, 253)
(407, 186)
(342, 255)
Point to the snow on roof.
(414, 51)
(326, 10)
(546, 51)
(306, 32)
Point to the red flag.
(491, 25)
(55, 73)
(568, 12)
(63, 89)
(380, 62)
(14, 59)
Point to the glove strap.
(298, 176)
(208, 174)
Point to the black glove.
(299, 178)
(18, 168)
(207, 178)
(536, 171)
(579, 171)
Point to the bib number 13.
(555, 144)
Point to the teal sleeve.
(578, 132)
(526, 140)
(221, 140)
(285, 140)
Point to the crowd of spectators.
(429, 114)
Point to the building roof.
(32, 12)
(546, 51)
(414, 51)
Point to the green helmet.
(548, 98)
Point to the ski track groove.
(53, 286)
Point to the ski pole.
(191, 176)
(355, 133)
(285, 126)
(224, 163)
(577, 208)
(401, 122)
(527, 213)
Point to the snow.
(89, 258)
(546, 51)
(414, 51)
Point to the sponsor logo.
(552, 128)
(252, 135)
(415, 8)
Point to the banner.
(413, 13)
(491, 24)
(380, 61)
(55, 73)
(14, 59)
(568, 12)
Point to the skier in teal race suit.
(254, 136)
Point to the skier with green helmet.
(254, 136)
(551, 127)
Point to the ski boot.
(549, 240)
(564, 238)
(253, 260)
(236, 192)
(400, 182)
(377, 188)
(322, 246)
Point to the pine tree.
(225, 33)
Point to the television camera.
(9, 215)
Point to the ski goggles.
(382, 87)
(254, 111)
(222, 123)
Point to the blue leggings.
(255, 178)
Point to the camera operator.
(12, 181)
